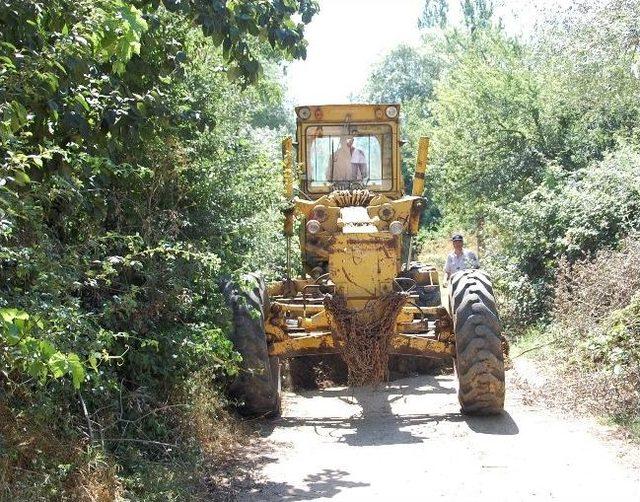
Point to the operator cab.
(349, 147)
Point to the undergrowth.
(591, 349)
(186, 453)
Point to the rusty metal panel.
(320, 343)
(324, 343)
(364, 265)
(421, 346)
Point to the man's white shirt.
(467, 259)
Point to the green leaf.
(57, 364)
(93, 360)
(81, 99)
(20, 112)
(37, 160)
(47, 349)
(9, 314)
(12, 334)
(21, 178)
(76, 369)
(37, 369)
(8, 63)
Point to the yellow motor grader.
(360, 287)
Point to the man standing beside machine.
(459, 258)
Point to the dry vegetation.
(591, 351)
(202, 458)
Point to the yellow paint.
(324, 343)
(364, 264)
(418, 185)
(287, 166)
(353, 245)
(421, 166)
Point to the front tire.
(258, 384)
(479, 358)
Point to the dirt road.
(407, 441)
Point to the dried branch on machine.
(365, 335)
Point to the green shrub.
(571, 217)
(133, 175)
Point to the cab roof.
(379, 112)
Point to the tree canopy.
(138, 165)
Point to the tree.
(475, 14)
(132, 176)
(403, 74)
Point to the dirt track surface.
(407, 441)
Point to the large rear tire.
(258, 384)
(479, 359)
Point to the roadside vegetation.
(536, 157)
(138, 165)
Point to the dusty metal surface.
(350, 241)
(324, 343)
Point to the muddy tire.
(479, 358)
(257, 387)
(462, 280)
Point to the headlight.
(395, 227)
(386, 212)
(392, 112)
(304, 113)
(313, 226)
(320, 213)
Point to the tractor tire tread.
(257, 386)
(479, 358)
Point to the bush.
(571, 216)
(596, 331)
(590, 290)
(132, 176)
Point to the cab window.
(339, 157)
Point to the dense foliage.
(520, 133)
(138, 164)
(533, 141)
(536, 154)
(137, 167)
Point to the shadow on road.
(240, 480)
(377, 424)
(502, 425)
(325, 484)
(378, 420)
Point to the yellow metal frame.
(353, 113)
(355, 244)
(324, 343)
(295, 329)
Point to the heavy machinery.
(356, 230)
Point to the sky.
(345, 38)
(348, 36)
